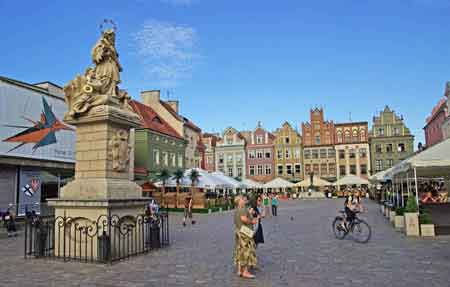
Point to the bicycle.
(361, 231)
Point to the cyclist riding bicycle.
(350, 211)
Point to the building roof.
(150, 120)
(32, 87)
(185, 120)
(440, 106)
(351, 124)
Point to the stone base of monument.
(311, 195)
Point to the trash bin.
(104, 248)
(40, 241)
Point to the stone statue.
(120, 150)
(98, 85)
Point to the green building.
(157, 145)
(390, 141)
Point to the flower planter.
(392, 216)
(399, 222)
(412, 224)
(427, 230)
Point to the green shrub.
(411, 205)
(425, 218)
(400, 211)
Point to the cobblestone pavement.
(298, 252)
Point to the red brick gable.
(150, 120)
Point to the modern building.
(36, 148)
(319, 156)
(260, 154)
(169, 112)
(433, 127)
(390, 141)
(230, 154)
(352, 149)
(157, 145)
(210, 141)
(288, 153)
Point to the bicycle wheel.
(361, 231)
(339, 232)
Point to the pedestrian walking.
(258, 210)
(188, 210)
(266, 203)
(9, 218)
(244, 255)
(275, 203)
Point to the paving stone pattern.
(300, 250)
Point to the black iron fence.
(108, 239)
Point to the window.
(323, 168)
(307, 168)
(230, 158)
(230, 172)
(268, 169)
(180, 161)
(220, 158)
(268, 154)
(401, 147)
(315, 154)
(289, 169)
(389, 148)
(307, 154)
(323, 153)
(280, 170)
(298, 168)
(342, 170)
(251, 154)
(363, 169)
(297, 153)
(339, 137)
(352, 153)
(347, 136)
(362, 153)
(355, 135)
(259, 139)
(389, 163)
(378, 148)
(166, 158)
(288, 154)
(378, 165)
(239, 171)
(229, 140)
(252, 170)
(331, 153)
(317, 139)
(341, 154)
(287, 140)
(352, 169)
(331, 169)
(156, 156)
(238, 157)
(396, 131)
(381, 131)
(260, 170)
(362, 135)
(259, 154)
(174, 159)
(316, 168)
(280, 154)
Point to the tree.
(178, 175)
(194, 176)
(163, 176)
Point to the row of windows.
(230, 157)
(166, 141)
(167, 159)
(381, 131)
(389, 148)
(260, 170)
(231, 172)
(287, 154)
(321, 170)
(348, 137)
(260, 153)
(289, 169)
(352, 153)
(383, 164)
(353, 170)
(322, 153)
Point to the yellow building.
(288, 153)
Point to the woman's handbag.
(246, 231)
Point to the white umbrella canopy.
(252, 184)
(317, 181)
(351, 180)
(233, 183)
(381, 176)
(278, 183)
(207, 180)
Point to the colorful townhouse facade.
(433, 128)
(390, 141)
(229, 154)
(157, 145)
(288, 157)
(352, 149)
(210, 141)
(319, 155)
(259, 154)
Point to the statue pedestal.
(102, 204)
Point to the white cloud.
(167, 51)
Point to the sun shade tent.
(252, 184)
(381, 176)
(206, 180)
(278, 183)
(351, 180)
(229, 180)
(317, 181)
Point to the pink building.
(259, 154)
(433, 127)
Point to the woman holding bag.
(245, 249)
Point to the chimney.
(150, 98)
(173, 105)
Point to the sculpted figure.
(120, 153)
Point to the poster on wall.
(29, 191)
(31, 125)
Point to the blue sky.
(232, 63)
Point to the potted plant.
(399, 222)
(411, 217)
(426, 225)
(392, 215)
